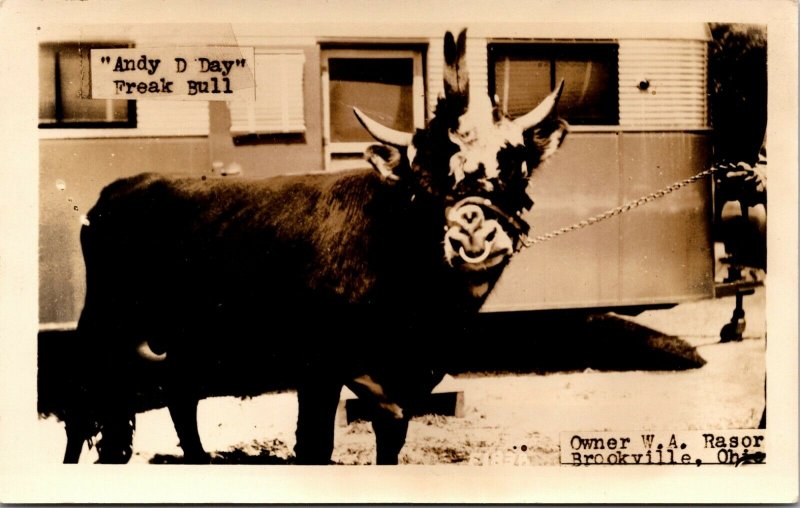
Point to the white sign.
(663, 448)
(213, 73)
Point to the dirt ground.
(504, 413)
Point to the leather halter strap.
(519, 225)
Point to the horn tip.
(360, 116)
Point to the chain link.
(528, 242)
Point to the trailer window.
(387, 85)
(64, 85)
(521, 75)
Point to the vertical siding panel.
(477, 63)
(435, 75)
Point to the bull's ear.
(548, 135)
(386, 159)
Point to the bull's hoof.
(116, 456)
(73, 451)
(197, 458)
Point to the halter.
(517, 224)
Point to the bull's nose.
(468, 217)
(470, 245)
(475, 248)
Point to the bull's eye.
(491, 235)
(457, 161)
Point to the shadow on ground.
(256, 454)
(569, 341)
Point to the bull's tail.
(79, 411)
(98, 403)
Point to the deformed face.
(474, 162)
(480, 140)
(488, 161)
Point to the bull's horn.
(148, 354)
(382, 133)
(455, 72)
(541, 111)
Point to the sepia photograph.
(507, 256)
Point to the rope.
(527, 242)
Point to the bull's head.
(473, 164)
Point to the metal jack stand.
(736, 283)
(734, 330)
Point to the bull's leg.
(184, 417)
(390, 436)
(77, 433)
(317, 402)
(73, 451)
(79, 427)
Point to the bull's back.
(154, 241)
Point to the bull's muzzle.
(474, 240)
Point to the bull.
(357, 278)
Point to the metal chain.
(527, 242)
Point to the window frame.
(553, 47)
(332, 149)
(81, 46)
(184, 117)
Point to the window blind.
(676, 73)
(278, 106)
(524, 74)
